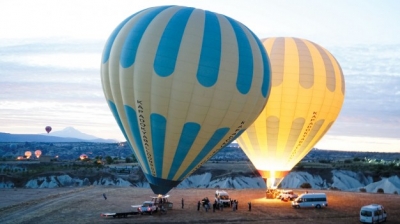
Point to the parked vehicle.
(223, 196)
(287, 195)
(372, 213)
(162, 200)
(135, 211)
(135, 208)
(316, 200)
(148, 207)
(118, 214)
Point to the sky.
(50, 55)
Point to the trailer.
(122, 214)
(118, 214)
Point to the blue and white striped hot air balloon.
(182, 83)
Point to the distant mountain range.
(68, 134)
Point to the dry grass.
(84, 205)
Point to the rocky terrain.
(228, 175)
(229, 168)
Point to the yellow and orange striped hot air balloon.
(307, 93)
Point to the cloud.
(360, 143)
(54, 84)
(59, 83)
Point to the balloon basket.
(271, 193)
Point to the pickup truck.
(162, 199)
(287, 195)
(148, 207)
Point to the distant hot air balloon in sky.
(38, 153)
(28, 154)
(307, 93)
(48, 129)
(182, 83)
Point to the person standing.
(183, 203)
(159, 200)
(104, 196)
(250, 206)
(198, 206)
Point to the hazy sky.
(50, 61)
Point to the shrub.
(348, 161)
(395, 192)
(305, 185)
(380, 191)
(363, 190)
(324, 161)
(109, 160)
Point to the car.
(148, 207)
(287, 195)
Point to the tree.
(347, 161)
(109, 160)
(380, 190)
(134, 160)
(324, 161)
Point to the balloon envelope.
(48, 129)
(28, 154)
(38, 153)
(182, 83)
(307, 93)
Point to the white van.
(316, 200)
(223, 196)
(373, 213)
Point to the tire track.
(32, 210)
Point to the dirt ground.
(86, 204)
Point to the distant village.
(70, 151)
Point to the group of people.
(205, 203)
(234, 204)
(217, 205)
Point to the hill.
(56, 137)
(7, 137)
